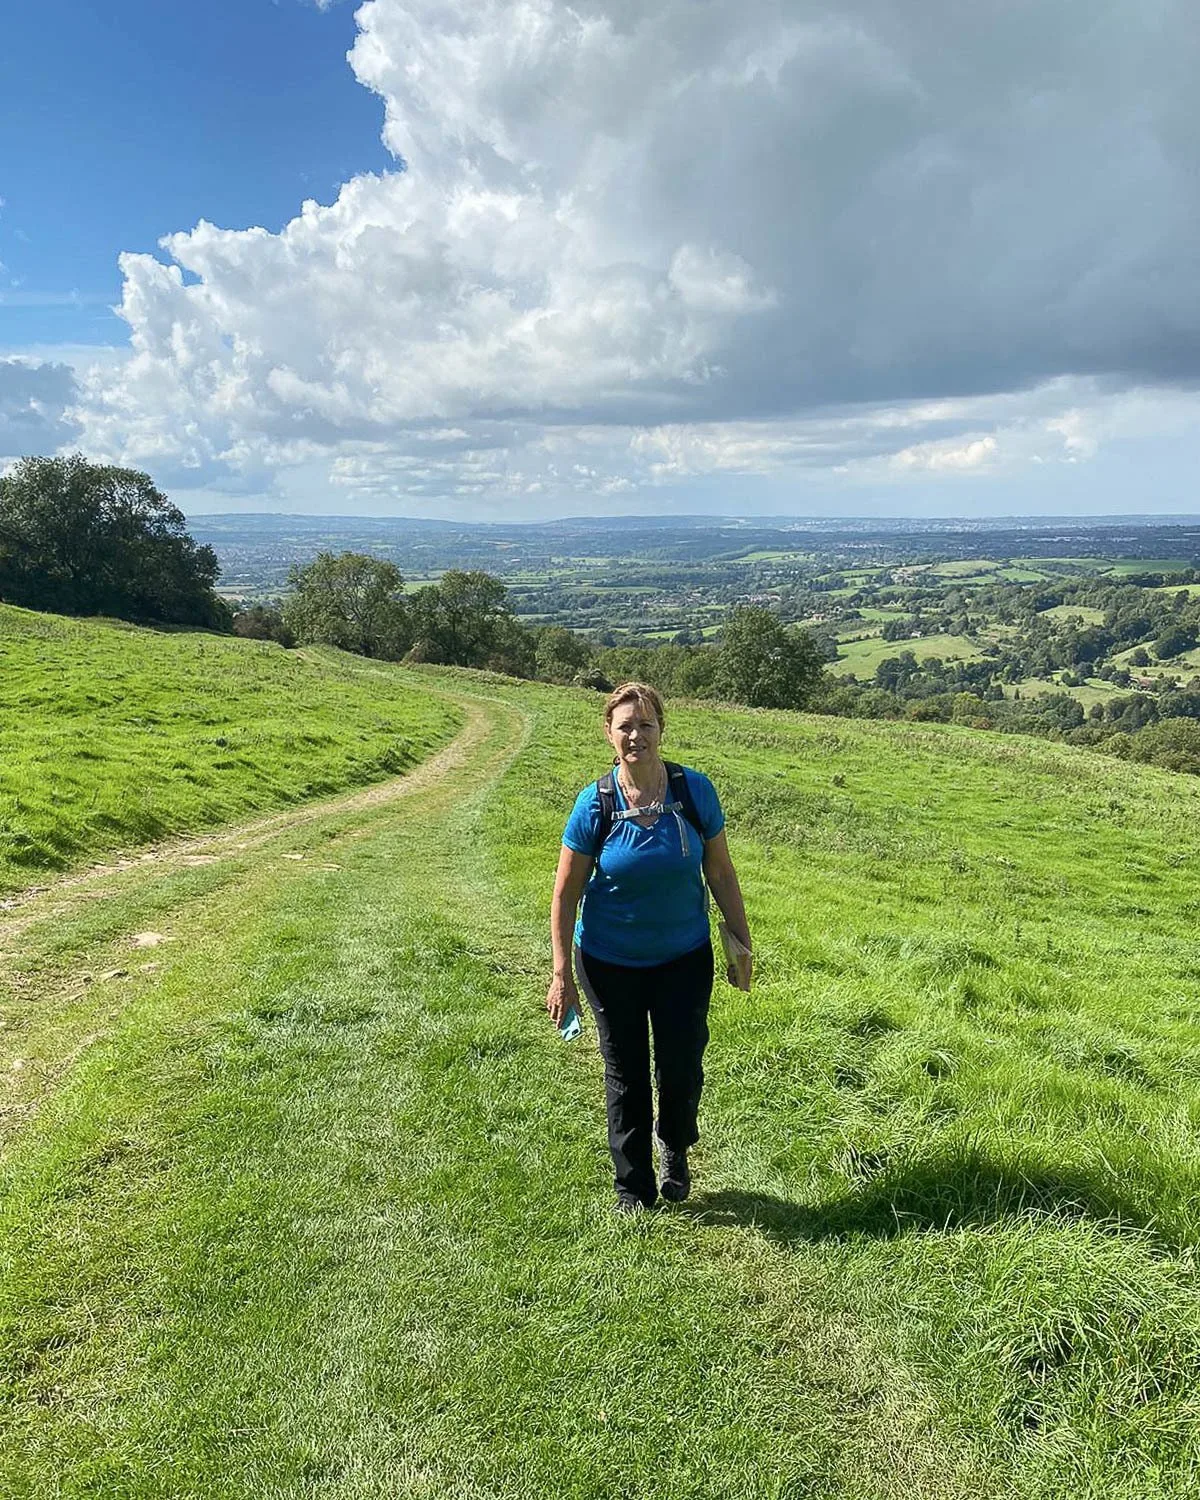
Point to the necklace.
(632, 798)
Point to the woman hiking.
(637, 849)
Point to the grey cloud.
(34, 402)
(946, 198)
(669, 212)
(949, 198)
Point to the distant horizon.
(927, 523)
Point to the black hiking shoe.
(676, 1179)
(627, 1204)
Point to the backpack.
(677, 785)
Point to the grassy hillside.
(317, 1203)
(111, 736)
(861, 657)
(1080, 612)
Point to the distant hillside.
(112, 735)
(256, 551)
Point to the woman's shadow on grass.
(945, 1192)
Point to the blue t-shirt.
(645, 902)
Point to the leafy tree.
(764, 664)
(825, 641)
(936, 709)
(87, 539)
(513, 650)
(349, 600)
(1173, 743)
(696, 674)
(969, 708)
(1055, 711)
(561, 654)
(1180, 704)
(462, 619)
(1131, 713)
(1174, 640)
(1089, 644)
(895, 672)
(634, 664)
(263, 622)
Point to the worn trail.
(42, 901)
(310, 1200)
(75, 953)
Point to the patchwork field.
(862, 657)
(1075, 612)
(1146, 565)
(311, 1201)
(966, 567)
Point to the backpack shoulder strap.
(606, 794)
(682, 793)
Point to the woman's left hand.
(741, 974)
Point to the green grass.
(1147, 565)
(768, 555)
(862, 657)
(322, 1208)
(1083, 612)
(1095, 690)
(1183, 665)
(1080, 564)
(972, 568)
(878, 612)
(1017, 573)
(111, 736)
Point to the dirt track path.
(75, 953)
(44, 902)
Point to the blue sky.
(130, 119)
(519, 258)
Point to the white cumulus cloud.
(35, 400)
(628, 243)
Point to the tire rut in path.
(34, 1061)
(41, 903)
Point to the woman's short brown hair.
(634, 692)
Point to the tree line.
(359, 603)
(92, 539)
(82, 538)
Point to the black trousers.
(673, 997)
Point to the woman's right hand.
(560, 997)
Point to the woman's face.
(633, 732)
